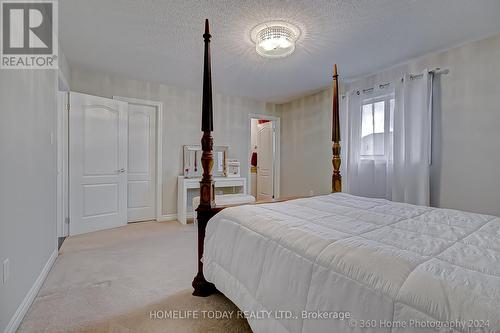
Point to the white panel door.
(141, 162)
(98, 161)
(265, 160)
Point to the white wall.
(306, 147)
(27, 181)
(253, 134)
(64, 69)
(181, 120)
(466, 152)
(466, 130)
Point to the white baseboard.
(167, 217)
(30, 296)
(173, 217)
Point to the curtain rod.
(435, 71)
(438, 70)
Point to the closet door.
(98, 161)
(141, 162)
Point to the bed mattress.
(341, 263)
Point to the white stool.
(225, 199)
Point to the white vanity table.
(185, 184)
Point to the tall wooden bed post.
(206, 210)
(336, 177)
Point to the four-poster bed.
(363, 264)
(207, 208)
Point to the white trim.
(173, 217)
(277, 150)
(62, 139)
(159, 149)
(30, 296)
(167, 217)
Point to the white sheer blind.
(377, 126)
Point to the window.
(377, 125)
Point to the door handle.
(121, 170)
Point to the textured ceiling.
(161, 40)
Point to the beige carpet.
(110, 281)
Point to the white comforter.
(389, 267)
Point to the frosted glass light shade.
(275, 39)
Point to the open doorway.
(264, 157)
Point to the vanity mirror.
(192, 161)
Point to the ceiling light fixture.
(275, 39)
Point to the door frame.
(62, 140)
(159, 150)
(276, 150)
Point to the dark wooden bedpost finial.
(207, 124)
(207, 191)
(336, 178)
